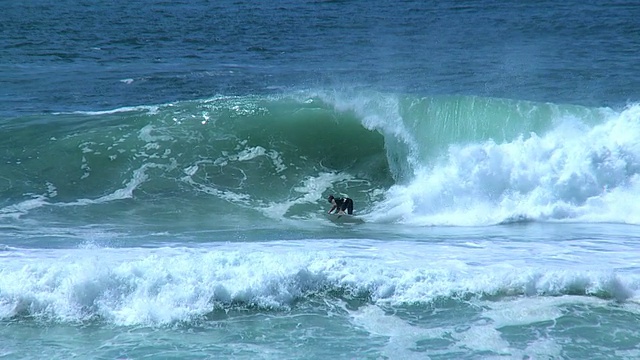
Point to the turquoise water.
(165, 170)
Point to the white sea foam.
(150, 109)
(163, 285)
(311, 189)
(573, 172)
(138, 177)
(478, 336)
(19, 209)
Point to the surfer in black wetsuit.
(340, 205)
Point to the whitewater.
(475, 231)
(165, 168)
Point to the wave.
(163, 286)
(445, 160)
(578, 168)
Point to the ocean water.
(165, 167)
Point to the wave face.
(447, 160)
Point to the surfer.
(340, 205)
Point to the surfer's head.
(330, 198)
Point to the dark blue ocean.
(164, 169)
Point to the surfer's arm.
(333, 208)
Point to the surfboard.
(344, 219)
